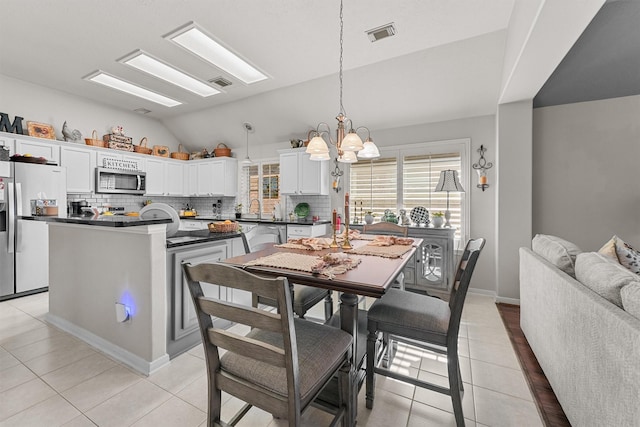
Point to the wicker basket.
(142, 147)
(94, 141)
(179, 154)
(223, 227)
(222, 150)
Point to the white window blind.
(260, 181)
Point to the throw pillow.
(557, 251)
(602, 276)
(609, 248)
(631, 299)
(622, 252)
(628, 256)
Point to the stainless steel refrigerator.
(24, 242)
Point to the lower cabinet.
(182, 322)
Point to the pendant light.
(347, 140)
(249, 128)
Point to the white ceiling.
(447, 60)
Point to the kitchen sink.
(182, 239)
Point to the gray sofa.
(587, 345)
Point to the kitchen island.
(109, 284)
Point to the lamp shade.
(370, 151)
(449, 181)
(320, 157)
(347, 157)
(351, 142)
(317, 146)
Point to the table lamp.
(448, 182)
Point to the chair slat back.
(386, 228)
(206, 307)
(461, 282)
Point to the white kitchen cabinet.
(48, 150)
(105, 159)
(154, 167)
(174, 179)
(191, 179)
(216, 177)
(81, 168)
(313, 230)
(302, 176)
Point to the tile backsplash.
(319, 205)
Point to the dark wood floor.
(548, 406)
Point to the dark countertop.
(102, 220)
(192, 237)
(261, 221)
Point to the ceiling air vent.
(382, 32)
(221, 81)
(142, 111)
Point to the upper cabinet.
(48, 150)
(301, 176)
(215, 177)
(81, 167)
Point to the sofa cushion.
(630, 295)
(603, 276)
(622, 252)
(557, 251)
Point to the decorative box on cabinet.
(302, 176)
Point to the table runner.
(307, 263)
(393, 251)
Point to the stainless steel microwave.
(120, 181)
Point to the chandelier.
(346, 144)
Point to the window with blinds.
(405, 181)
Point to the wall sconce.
(336, 174)
(481, 167)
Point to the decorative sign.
(7, 126)
(111, 163)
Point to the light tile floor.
(49, 378)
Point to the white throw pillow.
(604, 277)
(557, 251)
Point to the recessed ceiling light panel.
(382, 32)
(197, 42)
(150, 65)
(126, 87)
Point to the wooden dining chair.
(282, 364)
(304, 297)
(386, 228)
(425, 322)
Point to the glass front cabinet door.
(433, 265)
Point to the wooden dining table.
(371, 278)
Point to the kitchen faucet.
(259, 207)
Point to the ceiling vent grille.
(142, 110)
(221, 81)
(382, 32)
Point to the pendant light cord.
(342, 111)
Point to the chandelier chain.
(341, 49)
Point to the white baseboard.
(482, 292)
(492, 294)
(120, 354)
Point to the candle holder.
(334, 243)
(346, 244)
(481, 167)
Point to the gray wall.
(586, 159)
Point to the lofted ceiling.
(446, 61)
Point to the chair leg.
(372, 339)
(455, 382)
(328, 306)
(390, 348)
(345, 391)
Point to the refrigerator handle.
(18, 199)
(139, 182)
(12, 220)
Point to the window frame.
(462, 145)
(244, 193)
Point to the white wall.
(39, 104)
(585, 171)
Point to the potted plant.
(238, 210)
(437, 219)
(368, 217)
